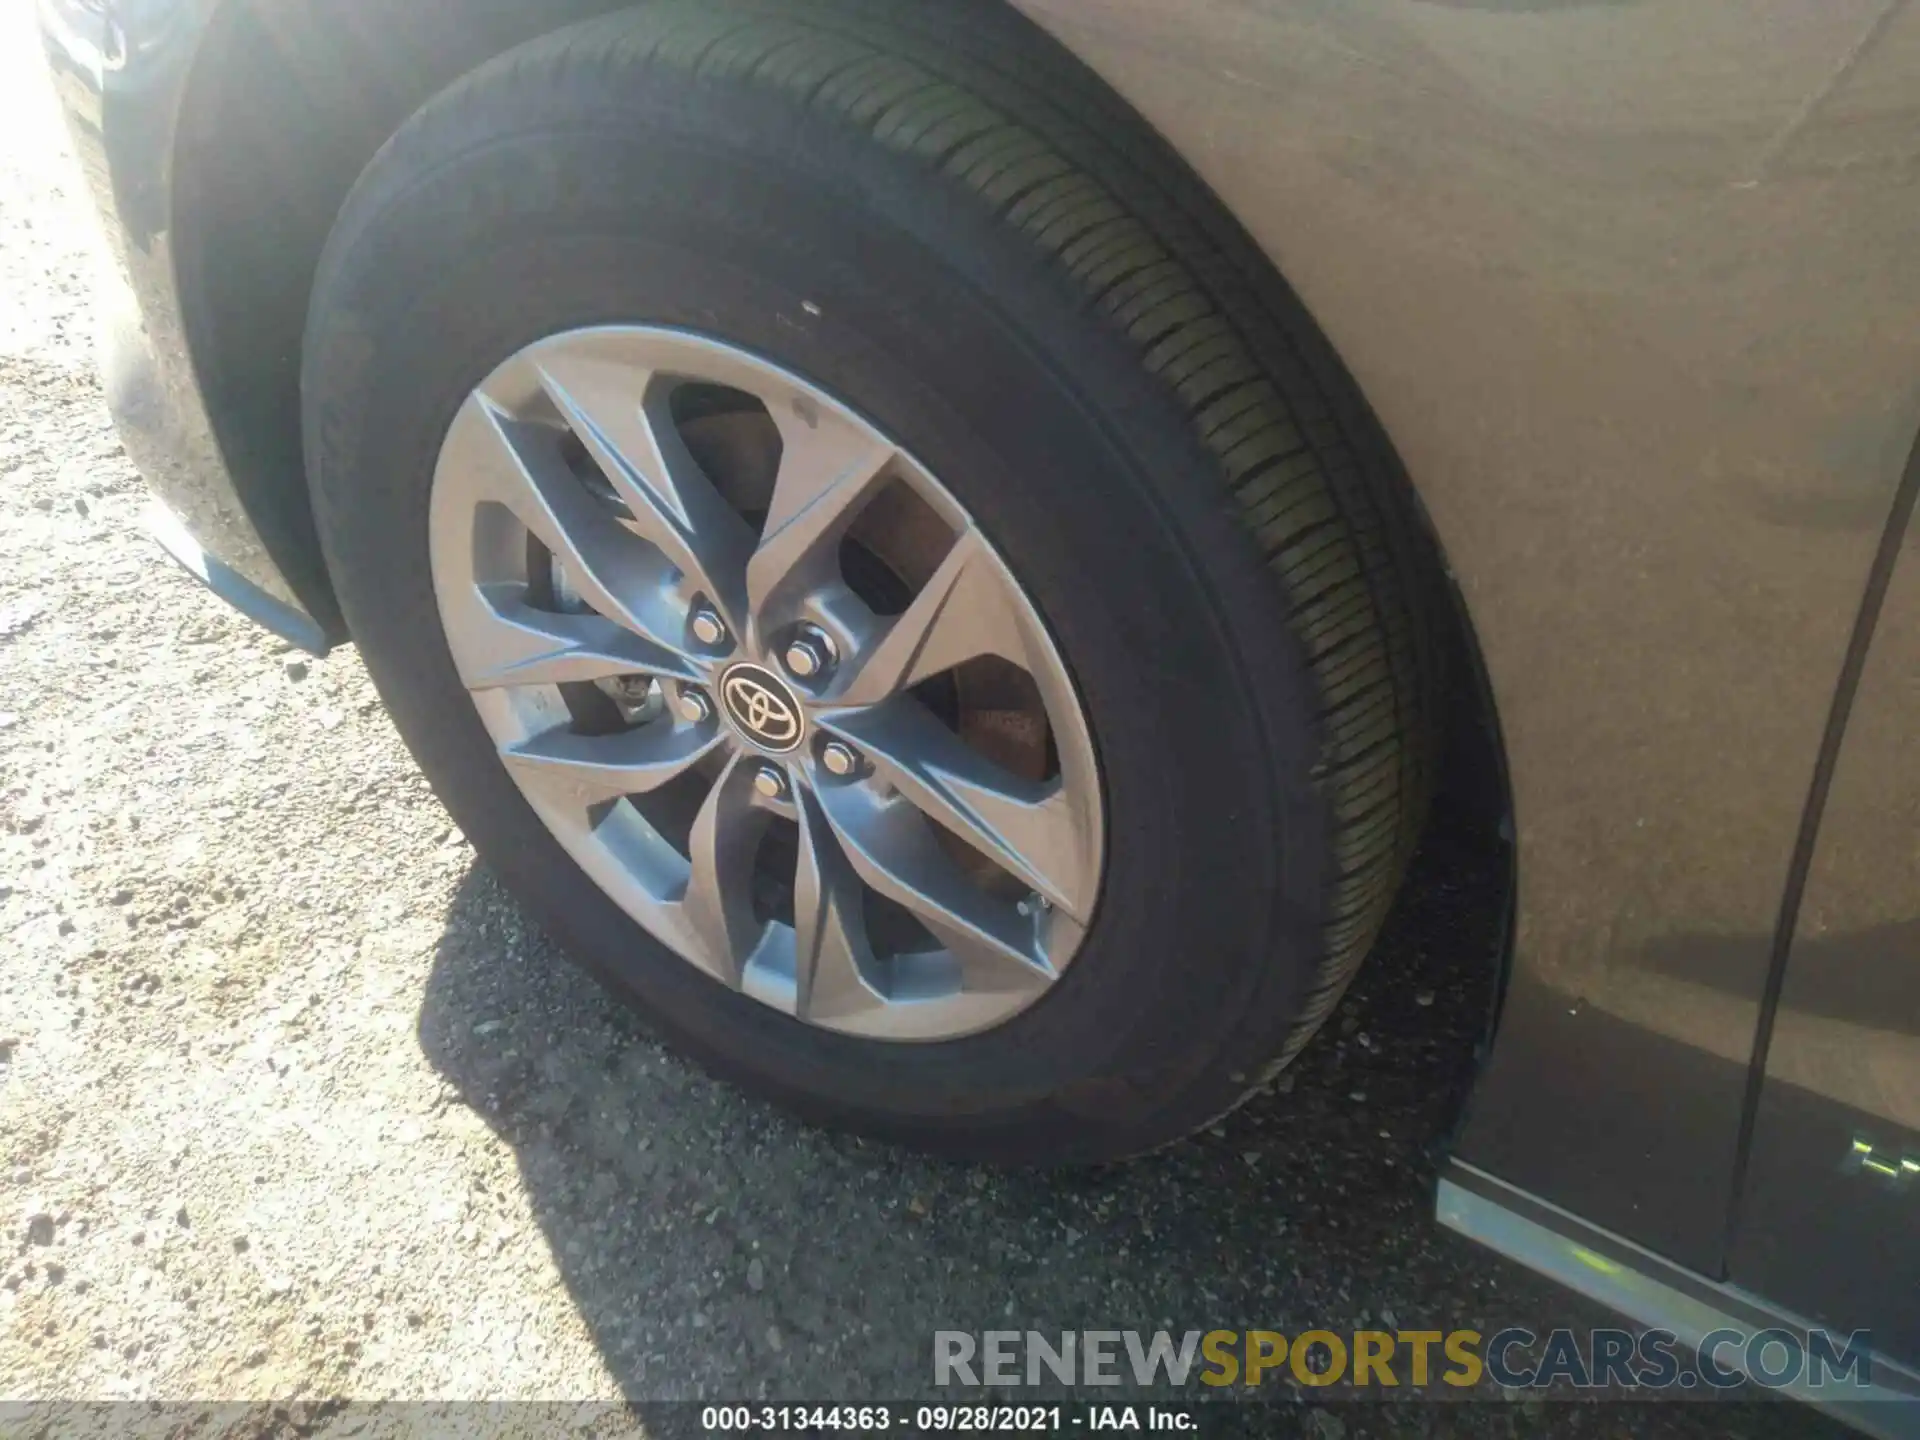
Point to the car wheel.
(858, 542)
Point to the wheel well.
(288, 101)
(1473, 801)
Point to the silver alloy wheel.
(577, 544)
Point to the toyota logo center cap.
(761, 707)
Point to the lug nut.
(693, 707)
(809, 654)
(839, 759)
(771, 782)
(707, 627)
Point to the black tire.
(1011, 276)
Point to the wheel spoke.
(893, 849)
(623, 420)
(498, 639)
(587, 770)
(829, 929)
(827, 468)
(719, 897)
(574, 442)
(1028, 828)
(519, 465)
(963, 611)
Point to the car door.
(1828, 1223)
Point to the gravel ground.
(295, 1103)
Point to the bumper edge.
(231, 586)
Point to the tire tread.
(1021, 129)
